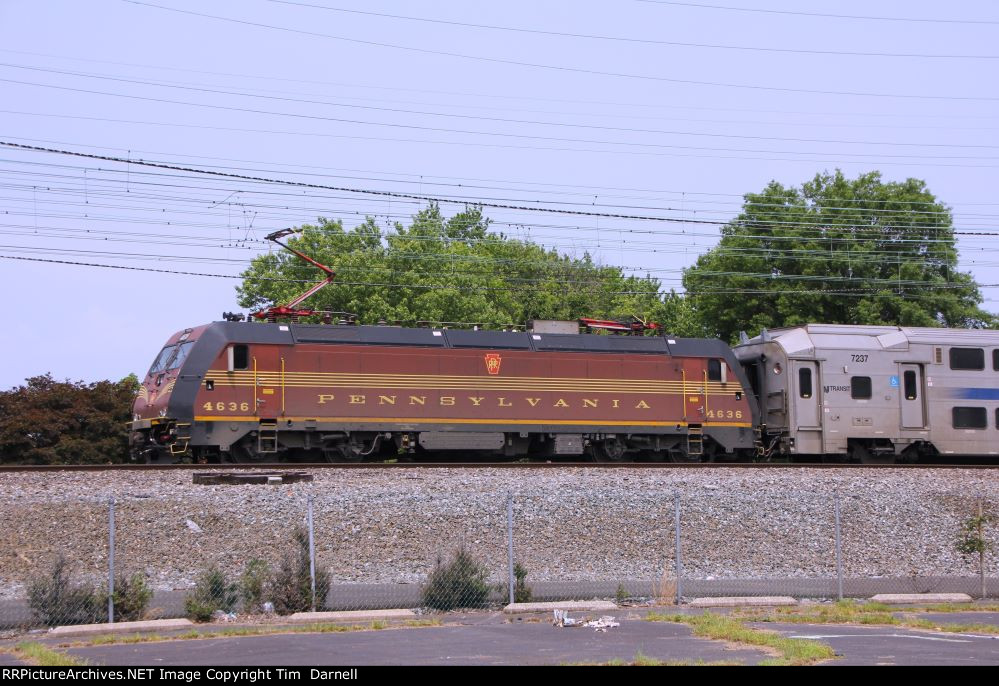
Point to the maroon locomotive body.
(245, 392)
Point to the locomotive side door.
(913, 412)
(267, 362)
(694, 381)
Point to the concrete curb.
(744, 601)
(920, 598)
(568, 605)
(350, 616)
(121, 627)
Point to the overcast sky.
(639, 107)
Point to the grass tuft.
(111, 639)
(849, 612)
(793, 651)
(38, 654)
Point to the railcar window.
(161, 360)
(805, 382)
(910, 385)
(995, 360)
(970, 418)
(860, 387)
(240, 356)
(714, 370)
(967, 358)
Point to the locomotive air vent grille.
(938, 355)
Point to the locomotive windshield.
(171, 357)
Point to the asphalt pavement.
(496, 639)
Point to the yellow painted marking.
(619, 390)
(495, 420)
(350, 378)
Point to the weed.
(131, 597)
(643, 660)
(793, 651)
(253, 585)
(664, 590)
(56, 600)
(38, 654)
(212, 593)
(521, 591)
(460, 583)
(291, 585)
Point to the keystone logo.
(493, 363)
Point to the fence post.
(839, 550)
(981, 548)
(509, 542)
(679, 562)
(312, 556)
(111, 560)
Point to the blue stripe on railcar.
(976, 393)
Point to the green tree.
(836, 250)
(61, 422)
(451, 269)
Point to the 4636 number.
(222, 407)
(724, 414)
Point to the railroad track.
(279, 466)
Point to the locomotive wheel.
(343, 452)
(245, 452)
(707, 455)
(609, 450)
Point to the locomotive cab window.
(239, 356)
(860, 387)
(714, 370)
(967, 359)
(182, 350)
(970, 417)
(161, 360)
(805, 382)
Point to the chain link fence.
(246, 552)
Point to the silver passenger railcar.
(875, 393)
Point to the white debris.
(603, 624)
(193, 527)
(562, 619)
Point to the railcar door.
(807, 403)
(913, 410)
(807, 406)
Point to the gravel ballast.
(388, 526)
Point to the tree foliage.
(61, 422)
(452, 269)
(836, 250)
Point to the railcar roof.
(842, 336)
